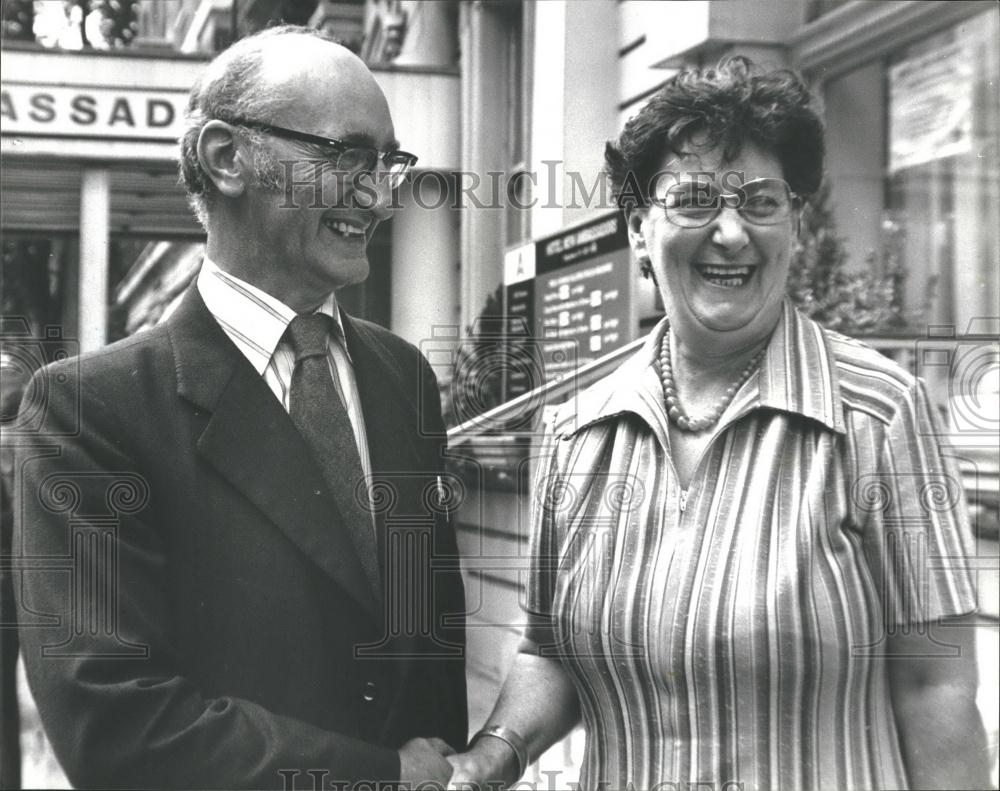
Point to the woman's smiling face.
(722, 283)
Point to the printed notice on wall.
(930, 106)
(572, 290)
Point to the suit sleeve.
(96, 629)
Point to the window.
(913, 164)
(942, 169)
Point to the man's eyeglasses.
(351, 158)
(694, 204)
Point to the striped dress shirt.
(255, 321)
(734, 634)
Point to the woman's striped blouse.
(734, 633)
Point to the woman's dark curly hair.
(731, 105)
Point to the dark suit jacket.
(193, 614)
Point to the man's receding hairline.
(281, 44)
(278, 46)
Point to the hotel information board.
(572, 292)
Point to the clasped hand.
(423, 761)
(488, 766)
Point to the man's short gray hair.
(233, 87)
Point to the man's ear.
(223, 159)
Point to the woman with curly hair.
(747, 537)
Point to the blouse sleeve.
(917, 537)
(547, 491)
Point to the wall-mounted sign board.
(572, 294)
(90, 112)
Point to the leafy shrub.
(855, 301)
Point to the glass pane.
(36, 283)
(943, 170)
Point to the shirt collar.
(796, 374)
(633, 387)
(255, 320)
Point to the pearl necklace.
(676, 412)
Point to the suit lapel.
(401, 460)
(252, 442)
(388, 401)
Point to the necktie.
(320, 416)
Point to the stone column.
(424, 282)
(485, 74)
(95, 218)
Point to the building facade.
(508, 105)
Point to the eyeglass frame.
(329, 142)
(732, 200)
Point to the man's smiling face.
(314, 229)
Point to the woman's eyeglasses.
(694, 204)
(351, 158)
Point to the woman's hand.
(488, 761)
(491, 759)
(424, 761)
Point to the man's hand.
(424, 761)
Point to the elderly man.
(250, 492)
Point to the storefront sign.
(930, 106)
(107, 113)
(576, 299)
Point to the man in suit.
(13, 379)
(230, 522)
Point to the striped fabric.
(733, 633)
(255, 322)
